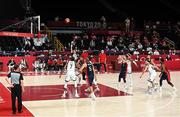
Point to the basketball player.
(129, 68)
(152, 74)
(70, 75)
(90, 75)
(123, 70)
(150, 59)
(165, 75)
(79, 64)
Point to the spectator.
(136, 52)
(168, 58)
(95, 63)
(137, 58)
(55, 65)
(156, 52)
(27, 44)
(103, 22)
(116, 49)
(92, 43)
(84, 54)
(139, 46)
(50, 64)
(23, 65)
(131, 47)
(75, 55)
(127, 24)
(150, 52)
(109, 42)
(42, 65)
(60, 64)
(102, 59)
(11, 64)
(86, 40)
(38, 44)
(149, 49)
(174, 52)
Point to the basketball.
(67, 20)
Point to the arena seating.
(153, 37)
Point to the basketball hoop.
(32, 25)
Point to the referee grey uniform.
(15, 79)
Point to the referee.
(15, 80)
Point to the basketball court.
(42, 98)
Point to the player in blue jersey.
(90, 76)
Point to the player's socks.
(64, 94)
(76, 95)
(160, 89)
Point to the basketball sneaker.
(97, 89)
(64, 94)
(93, 96)
(76, 95)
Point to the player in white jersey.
(129, 62)
(152, 74)
(70, 75)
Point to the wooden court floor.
(43, 93)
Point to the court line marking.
(158, 108)
(22, 101)
(47, 88)
(52, 95)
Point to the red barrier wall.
(171, 65)
(111, 60)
